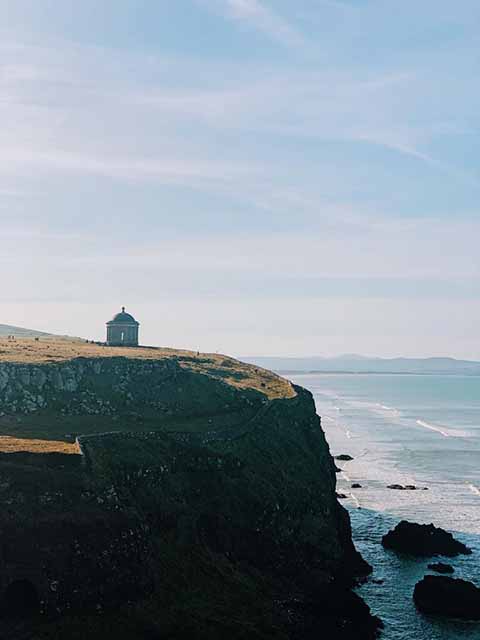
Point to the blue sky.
(249, 176)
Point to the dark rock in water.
(451, 597)
(423, 540)
(344, 456)
(441, 567)
(401, 487)
(378, 580)
(338, 470)
(336, 613)
(356, 485)
(341, 496)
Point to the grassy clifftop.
(52, 391)
(50, 350)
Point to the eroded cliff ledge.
(161, 494)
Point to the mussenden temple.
(122, 330)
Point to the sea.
(421, 430)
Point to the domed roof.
(123, 318)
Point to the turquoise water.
(406, 429)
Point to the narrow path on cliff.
(185, 437)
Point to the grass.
(10, 444)
(236, 373)
(48, 431)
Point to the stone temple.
(122, 330)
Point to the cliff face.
(199, 507)
(113, 387)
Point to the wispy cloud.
(437, 251)
(258, 15)
(209, 125)
(166, 170)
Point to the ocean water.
(406, 429)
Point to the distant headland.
(362, 364)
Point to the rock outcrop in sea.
(441, 567)
(423, 540)
(448, 597)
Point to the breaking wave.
(474, 489)
(446, 433)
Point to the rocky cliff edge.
(160, 494)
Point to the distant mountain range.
(352, 363)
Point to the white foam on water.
(356, 501)
(475, 490)
(345, 477)
(328, 418)
(391, 413)
(446, 433)
(433, 427)
(390, 410)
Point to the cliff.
(159, 494)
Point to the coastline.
(389, 591)
(388, 446)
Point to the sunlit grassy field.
(9, 444)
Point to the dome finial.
(123, 309)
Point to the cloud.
(178, 120)
(221, 129)
(259, 16)
(75, 116)
(408, 251)
(166, 170)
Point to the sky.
(256, 177)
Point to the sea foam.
(434, 427)
(446, 433)
(474, 489)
